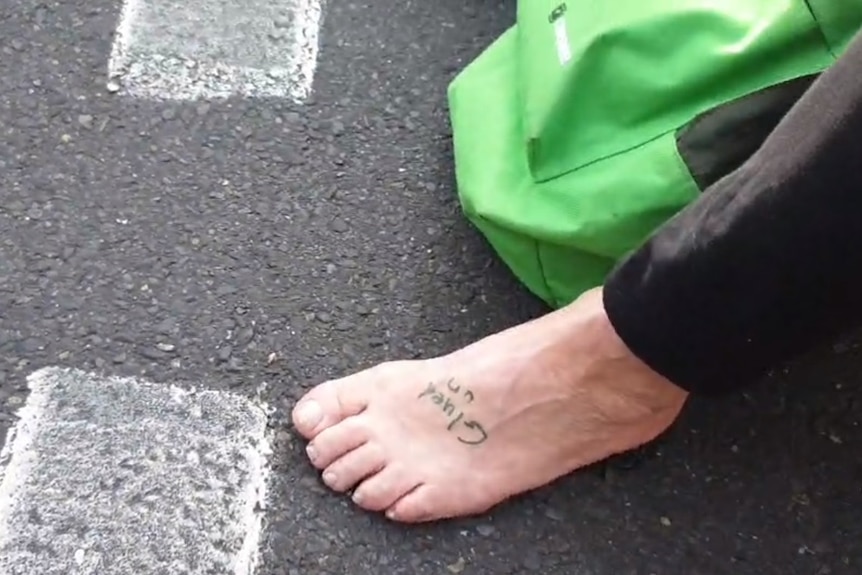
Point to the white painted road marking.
(110, 476)
(208, 49)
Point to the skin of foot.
(454, 436)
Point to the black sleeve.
(767, 263)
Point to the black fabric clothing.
(767, 263)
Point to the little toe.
(329, 403)
(381, 490)
(414, 507)
(336, 441)
(354, 466)
(432, 502)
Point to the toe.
(414, 507)
(430, 502)
(336, 441)
(384, 488)
(354, 466)
(329, 403)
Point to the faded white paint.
(114, 476)
(561, 36)
(209, 49)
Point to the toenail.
(357, 497)
(311, 452)
(391, 514)
(309, 414)
(329, 478)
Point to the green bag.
(587, 124)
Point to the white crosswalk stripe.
(113, 476)
(210, 49)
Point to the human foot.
(454, 436)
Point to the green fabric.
(839, 20)
(565, 152)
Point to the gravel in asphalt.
(248, 241)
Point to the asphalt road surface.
(259, 245)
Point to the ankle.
(604, 359)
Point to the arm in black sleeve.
(767, 263)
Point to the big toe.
(329, 403)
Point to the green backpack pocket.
(573, 142)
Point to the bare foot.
(455, 435)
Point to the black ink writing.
(438, 398)
(476, 435)
(447, 398)
(454, 388)
(454, 422)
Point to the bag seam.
(820, 29)
(552, 295)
